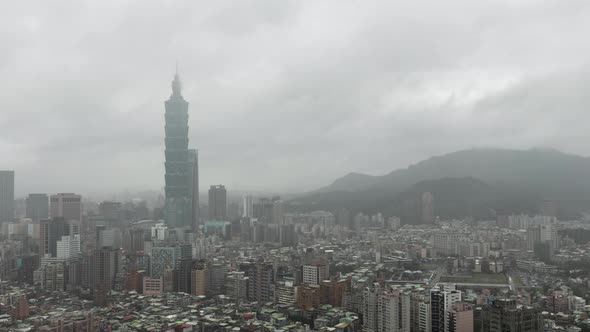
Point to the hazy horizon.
(284, 96)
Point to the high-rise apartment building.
(217, 274)
(110, 210)
(6, 196)
(68, 247)
(247, 206)
(420, 311)
(394, 311)
(37, 207)
(180, 169)
(386, 311)
(260, 281)
(236, 286)
(217, 202)
(51, 231)
(461, 318)
(67, 206)
(442, 300)
(315, 273)
(105, 264)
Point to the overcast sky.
(284, 95)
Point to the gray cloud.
(284, 95)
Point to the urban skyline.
(317, 167)
(257, 80)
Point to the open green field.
(476, 278)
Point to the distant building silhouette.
(247, 206)
(67, 206)
(6, 196)
(37, 207)
(180, 164)
(427, 201)
(217, 202)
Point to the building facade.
(67, 206)
(37, 207)
(217, 202)
(178, 210)
(6, 196)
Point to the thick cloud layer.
(285, 95)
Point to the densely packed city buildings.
(262, 264)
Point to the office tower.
(193, 156)
(135, 241)
(217, 275)
(68, 247)
(178, 204)
(247, 206)
(461, 318)
(260, 281)
(315, 273)
(199, 279)
(50, 231)
(278, 209)
(67, 206)
(6, 196)
(105, 263)
(217, 202)
(263, 210)
(110, 211)
(108, 237)
(505, 315)
(287, 236)
(183, 274)
(427, 201)
(37, 207)
(441, 303)
(165, 258)
(236, 286)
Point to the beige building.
(200, 281)
(66, 205)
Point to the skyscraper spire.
(176, 85)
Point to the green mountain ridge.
(505, 181)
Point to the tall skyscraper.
(217, 202)
(51, 231)
(441, 303)
(247, 206)
(194, 185)
(67, 206)
(37, 207)
(6, 196)
(427, 201)
(179, 166)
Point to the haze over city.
(284, 95)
